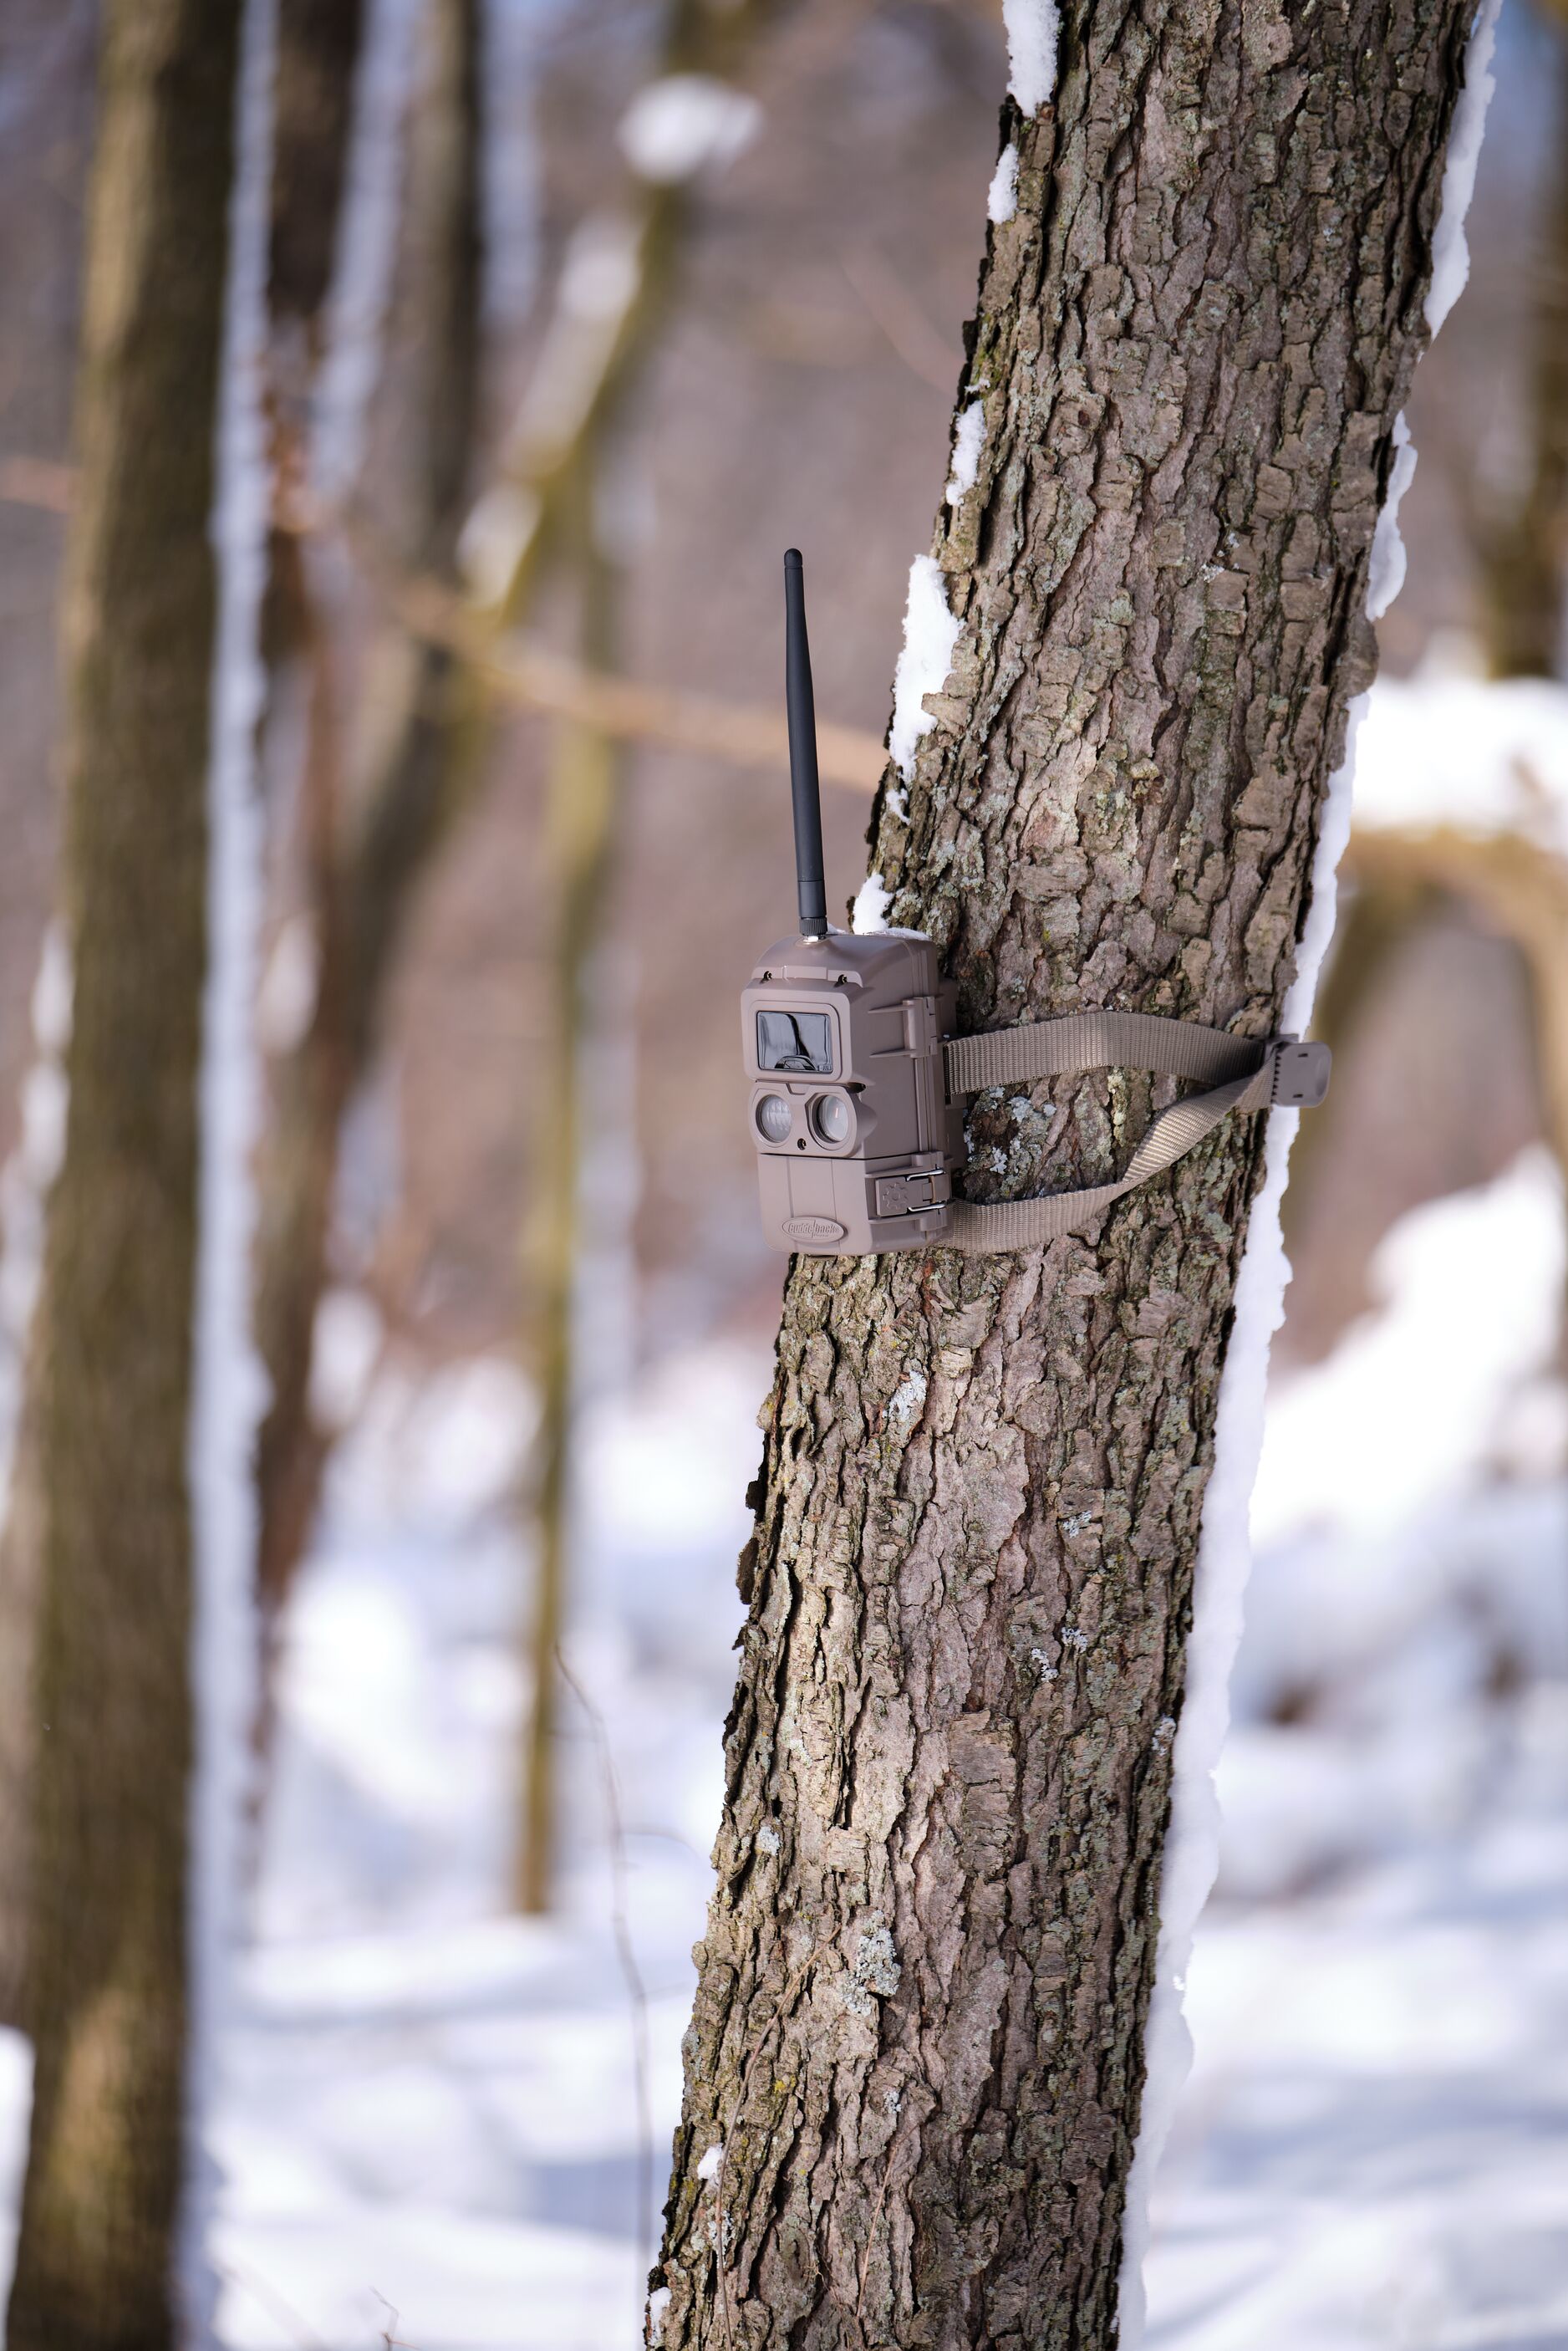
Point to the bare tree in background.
(355, 866)
(1523, 550)
(369, 861)
(317, 51)
(914, 2072)
(586, 776)
(1404, 883)
(105, 1974)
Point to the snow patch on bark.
(1033, 29)
(26, 1182)
(228, 1386)
(931, 633)
(658, 2307)
(1451, 270)
(1450, 250)
(1224, 1560)
(1386, 571)
(708, 2168)
(869, 913)
(868, 916)
(362, 273)
(969, 440)
(1002, 203)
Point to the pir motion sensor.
(858, 1079)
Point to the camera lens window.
(831, 1118)
(799, 1042)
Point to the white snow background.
(424, 2123)
(425, 2106)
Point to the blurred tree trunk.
(1524, 552)
(914, 2072)
(440, 740)
(579, 849)
(1375, 921)
(318, 56)
(1519, 890)
(316, 1084)
(106, 1960)
(317, 53)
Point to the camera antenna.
(805, 790)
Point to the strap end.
(1301, 1073)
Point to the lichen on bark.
(918, 2029)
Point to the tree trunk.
(317, 53)
(299, 1169)
(585, 778)
(914, 2072)
(106, 1960)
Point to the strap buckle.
(1301, 1073)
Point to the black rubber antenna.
(805, 788)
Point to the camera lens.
(830, 1115)
(774, 1117)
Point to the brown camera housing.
(854, 1128)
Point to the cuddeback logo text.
(813, 1228)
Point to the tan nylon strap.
(1093, 1041)
(1098, 1041)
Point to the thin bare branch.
(538, 679)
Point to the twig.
(38, 482)
(636, 1992)
(895, 310)
(267, 2295)
(620, 706)
(391, 2338)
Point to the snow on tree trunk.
(229, 1384)
(914, 2072)
(106, 1970)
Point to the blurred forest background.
(577, 314)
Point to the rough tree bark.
(106, 1960)
(914, 2071)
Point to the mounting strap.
(1240, 1073)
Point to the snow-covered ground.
(428, 2127)
(1373, 2147)
(429, 2107)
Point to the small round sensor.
(775, 1118)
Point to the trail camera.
(855, 1130)
(857, 1078)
